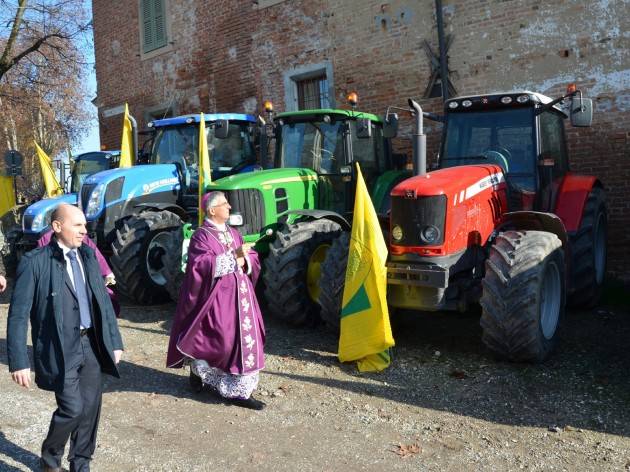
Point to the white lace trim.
(228, 385)
(225, 264)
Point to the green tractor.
(295, 211)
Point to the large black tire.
(588, 252)
(286, 267)
(11, 254)
(524, 295)
(138, 255)
(172, 266)
(333, 281)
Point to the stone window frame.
(293, 76)
(167, 23)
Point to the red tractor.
(502, 221)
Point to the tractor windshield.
(502, 137)
(88, 164)
(319, 146)
(181, 144)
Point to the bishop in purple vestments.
(218, 327)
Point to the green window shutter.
(153, 25)
(159, 17)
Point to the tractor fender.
(572, 195)
(323, 214)
(179, 211)
(536, 221)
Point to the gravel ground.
(444, 404)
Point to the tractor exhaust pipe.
(419, 141)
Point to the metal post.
(442, 43)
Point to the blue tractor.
(36, 218)
(133, 212)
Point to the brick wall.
(230, 55)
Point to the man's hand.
(243, 250)
(110, 279)
(22, 377)
(240, 261)
(117, 355)
(3, 283)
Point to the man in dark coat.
(74, 333)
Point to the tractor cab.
(90, 163)
(329, 142)
(230, 141)
(521, 132)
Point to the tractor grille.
(86, 191)
(414, 214)
(249, 203)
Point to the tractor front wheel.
(524, 295)
(333, 280)
(588, 252)
(292, 269)
(138, 252)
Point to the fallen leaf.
(407, 450)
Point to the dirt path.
(445, 404)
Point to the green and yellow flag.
(126, 145)
(53, 187)
(205, 176)
(366, 335)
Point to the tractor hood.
(453, 181)
(265, 179)
(36, 216)
(111, 187)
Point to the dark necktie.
(80, 289)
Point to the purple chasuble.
(217, 317)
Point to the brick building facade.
(186, 56)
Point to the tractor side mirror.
(364, 128)
(221, 129)
(581, 112)
(390, 126)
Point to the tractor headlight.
(397, 233)
(430, 234)
(96, 200)
(38, 223)
(235, 219)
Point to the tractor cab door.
(552, 159)
(179, 145)
(320, 146)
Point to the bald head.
(68, 223)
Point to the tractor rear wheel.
(292, 269)
(588, 252)
(333, 280)
(138, 253)
(172, 265)
(524, 295)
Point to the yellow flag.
(7, 197)
(205, 176)
(126, 146)
(366, 334)
(53, 188)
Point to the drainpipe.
(441, 41)
(419, 141)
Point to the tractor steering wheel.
(498, 154)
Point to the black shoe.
(195, 382)
(250, 403)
